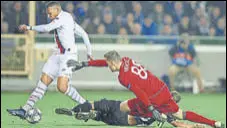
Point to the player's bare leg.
(194, 117)
(173, 70)
(179, 124)
(64, 87)
(36, 95)
(196, 72)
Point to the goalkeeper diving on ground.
(108, 111)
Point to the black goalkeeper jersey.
(109, 112)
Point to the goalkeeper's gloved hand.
(85, 107)
(76, 64)
(156, 114)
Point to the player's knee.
(62, 88)
(46, 79)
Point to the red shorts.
(164, 104)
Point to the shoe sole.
(14, 114)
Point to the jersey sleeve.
(80, 32)
(139, 94)
(56, 23)
(97, 63)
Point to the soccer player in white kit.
(64, 29)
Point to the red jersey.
(136, 78)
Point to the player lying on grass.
(152, 95)
(108, 111)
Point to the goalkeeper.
(108, 111)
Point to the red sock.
(191, 116)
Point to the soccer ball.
(33, 115)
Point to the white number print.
(139, 70)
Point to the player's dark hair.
(112, 56)
(53, 3)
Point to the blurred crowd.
(128, 17)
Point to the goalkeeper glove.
(85, 107)
(156, 115)
(76, 65)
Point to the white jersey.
(63, 26)
(80, 32)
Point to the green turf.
(210, 105)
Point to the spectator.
(129, 23)
(41, 15)
(221, 27)
(149, 27)
(219, 4)
(190, 7)
(203, 26)
(215, 16)
(167, 31)
(101, 29)
(159, 13)
(183, 58)
(118, 8)
(138, 14)
(94, 9)
(212, 31)
(4, 27)
(178, 12)
(93, 14)
(137, 29)
(110, 25)
(169, 7)
(119, 21)
(186, 27)
(124, 38)
(90, 14)
(17, 16)
(195, 19)
(69, 7)
(81, 12)
(169, 21)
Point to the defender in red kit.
(153, 97)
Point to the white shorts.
(56, 65)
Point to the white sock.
(36, 95)
(72, 92)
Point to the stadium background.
(123, 26)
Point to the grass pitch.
(210, 105)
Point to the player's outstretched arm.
(78, 65)
(80, 32)
(42, 28)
